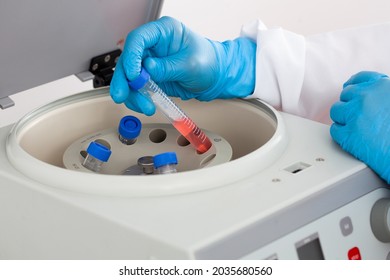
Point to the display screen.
(310, 249)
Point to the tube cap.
(99, 151)
(129, 127)
(164, 159)
(140, 81)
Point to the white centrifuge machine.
(273, 185)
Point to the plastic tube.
(165, 163)
(129, 129)
(97, 155)
(175, 115)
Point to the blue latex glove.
(183, 64)
(362, 120)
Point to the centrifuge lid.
(44, 40)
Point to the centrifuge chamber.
(37, 144)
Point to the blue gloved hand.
(362, 120)
(183, 64)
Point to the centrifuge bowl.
(36, 144)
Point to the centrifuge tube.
(97, 154)
(165, 163)
(175, 115)
(129, 129)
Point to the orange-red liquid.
(193, 134)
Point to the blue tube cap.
(129, 127)
(164, 159)
(99, 151)
(140, 81)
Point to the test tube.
(97, 154)
(129, 129)
(175, 115)
(165, 163)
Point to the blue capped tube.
(165, 163)
(129, 129)
(97, 154)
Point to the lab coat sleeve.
(304, 75)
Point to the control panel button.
(380, 219)
(346, 226)
(354, 254)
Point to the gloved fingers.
(167, 69)
(120, 92)
(156, 35)
(360, 123)
(353, 91)
(340, 134)
(354, 142)
(140, 103)
(119, 88)
(180, 77)
(364, 77)
(186, 68)
(351, 141)
(176, 90)
(135, 49)
(343, 112)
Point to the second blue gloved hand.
(362, 120)
(183, 64)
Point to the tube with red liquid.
(175, 115)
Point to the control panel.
(358, 230)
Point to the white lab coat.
(304, 75)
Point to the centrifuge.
(273, 185)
